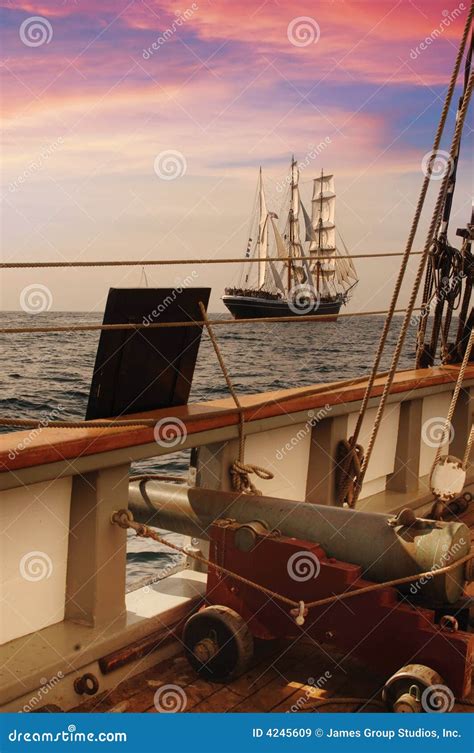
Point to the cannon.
(306, 552)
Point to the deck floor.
(298, 676)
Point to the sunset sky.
(90, 106)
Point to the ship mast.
(320, 229)
(262, 242)
(293, 199)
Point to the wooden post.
(405, 477)
(95, 587)
(326, 434)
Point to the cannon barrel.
(385, 552)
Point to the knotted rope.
(349, 462)
(240, 471)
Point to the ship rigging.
(297, 273)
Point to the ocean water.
(40, 373)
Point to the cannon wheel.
(219, 644)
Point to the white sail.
(323, 215)
(262, 243)
(282, 251)
(276, 277)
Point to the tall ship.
(298, 270)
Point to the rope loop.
(348, 471)
(240, 473)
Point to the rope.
(452, 406)
(414, 293)
(240, 471)
(348, 464)
(124, 519)
(167, 262)
(411, 237)
(26, 423)
(326, 389)
(189, 323)
(468, 447)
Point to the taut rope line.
(88, 327)
(239, 471)
(172, 262)
(124, 519)
(408, 249)
(416, 285)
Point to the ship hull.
(252, 307)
